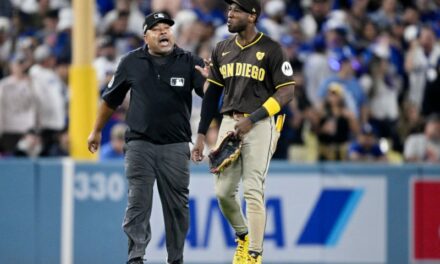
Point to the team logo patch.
(179, 82)
(111, 82)
(260, 55)
(286, 68)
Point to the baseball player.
(161, 78)
(256, 79)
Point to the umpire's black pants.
(169, 165)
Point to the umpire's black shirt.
(161, 94)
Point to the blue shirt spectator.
(366, 147)
(114, 149)
(108, 152)
(350, 85)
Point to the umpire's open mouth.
(164, 41)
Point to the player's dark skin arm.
(209, 108)
(283, 95)
(104, 114)
(199, 145)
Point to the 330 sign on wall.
(99, 186)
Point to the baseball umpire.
(161, 77)
(256, 79)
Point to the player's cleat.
(253, 258)
(138, 260)
(241, 251)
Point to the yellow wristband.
(272, 106)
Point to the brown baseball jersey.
(249, 74)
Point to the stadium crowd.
(367, 73)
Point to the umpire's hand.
(197, 151)
(205, 70)
(93, 141)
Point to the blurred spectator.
(210, 12)
(134, 16)
(6, 8)
(118, 30)
(292, 49)
(117, 117)
(368, 34)
(204, 50)
(34, 6)
(422, 57)
(106, 62)
(366, 147)
(275, 23)
(431, 98)
(186, 37)
(312, 23)
(383, 85)
(335, 38)
(29, 145)
(61, 148)
(6, 44)
(411, 122)
(63, 42)
(171, 6)
(115, 148)
(316, 70)
(342, 61)
(357, 16)
(48, 33)
(105, 6)
(425, 147)
(411, 16)
(336, 125)
(18, 104)
(398, 40)
(51, 97)
(387, 14)
(429, 10)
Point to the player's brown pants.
(258, 147)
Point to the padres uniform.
(249, 75)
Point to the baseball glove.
(227, 152)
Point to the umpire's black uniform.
(157, 141)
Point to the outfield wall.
(59, 211)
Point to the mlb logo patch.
(159, 15)
(179, 82)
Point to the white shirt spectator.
(31, 6)
(104, 68)
(384, 104)
(418, 73)
(419, 148)
(135, 19)
(18, 105)
(316, 70)
(50, 94)
(5, 40)
(425, 147)
(276, 24)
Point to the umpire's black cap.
(250, 6)
(156, 17)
